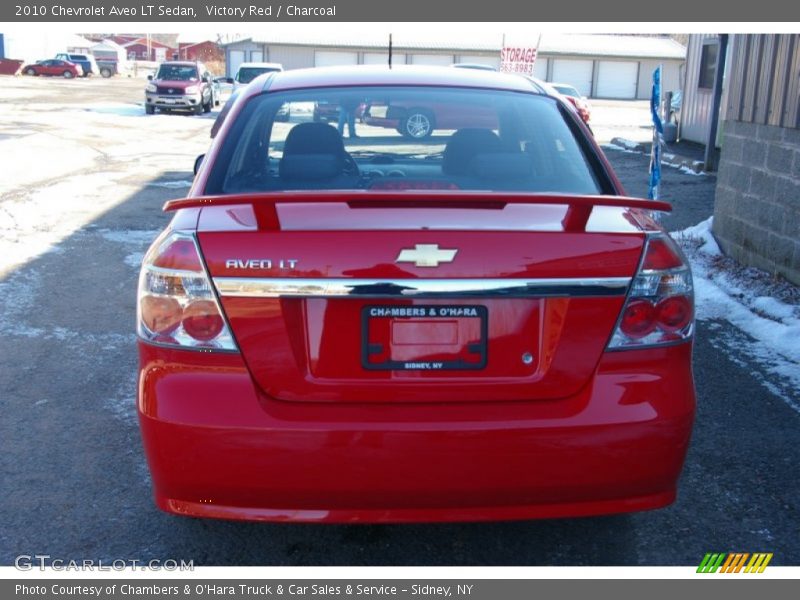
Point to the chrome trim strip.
(419, 288)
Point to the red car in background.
(419, 122)
(574, 96)
(54, 67)
(379, 329)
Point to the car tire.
(149, 109)
(31, 72)
(105, 73)
(418, 124)
(67, 75)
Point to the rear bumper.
(219, 448)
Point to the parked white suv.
(249, 71)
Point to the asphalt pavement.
(74, 480)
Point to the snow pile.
(766, 310)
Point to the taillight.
(660, 305)
(176, 304)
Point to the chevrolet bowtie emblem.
(426, 255)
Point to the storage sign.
(517, 60)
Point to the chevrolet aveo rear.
(473, 325)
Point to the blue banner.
(658, 131)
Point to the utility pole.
(719, 74)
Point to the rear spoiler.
(264, 204)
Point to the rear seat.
(480, 153)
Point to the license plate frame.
(425, 312)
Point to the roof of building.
(143, 42)
(621, 46)
(108, 43)
(77, 41)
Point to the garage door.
(432, 59)
(334, 59)
(616, 79)
(236, 59)
(577, 73)
(382, 58)
(540, 69)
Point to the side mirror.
(149, 78)
(197, 162)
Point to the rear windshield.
(177, 73)
(396, 138)
(247, 74)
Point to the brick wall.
(757, 205)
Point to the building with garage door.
(599, 66)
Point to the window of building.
(708, 65)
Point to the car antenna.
(390, 50)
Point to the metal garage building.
(599, 66)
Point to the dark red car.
(54, 67)
(419, 122)
(479, 325)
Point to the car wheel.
(30, 72)
(149, 109)
(106, 73)
(418, 124)
(67, 74)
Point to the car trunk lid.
(403, 298)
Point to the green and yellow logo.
(735, 562)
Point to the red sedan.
(474, 326)
(54, 67)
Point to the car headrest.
(464, 145)
(501, 165)
(310, 167)
(313, 138)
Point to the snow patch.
(688, 170)
(134, 260)
(619, 148)
(37, 222)
(771, 326)
(171, 184)
(122, 110)
(122, 404)
(130, 237)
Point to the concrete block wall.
(757, 204)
